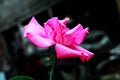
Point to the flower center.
(58, 38)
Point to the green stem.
(52, 58)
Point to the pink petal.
(64, 21)
(54, 24)
(65, 52)
(58, 38)
(86, 55)
(34, 28)
(50, 33)
(33, 20)
(40, 41)
(72, 51)
(36, 34)
(75, 35)
(77, 28)
(55, 29)
(62, 24)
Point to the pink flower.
(56, 33)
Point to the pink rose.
(56, 33)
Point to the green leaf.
(21, 78)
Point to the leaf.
(21, 78)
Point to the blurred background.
(19, 57)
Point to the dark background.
(98, 15)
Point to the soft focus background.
(19, 57)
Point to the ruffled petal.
(65, 52)
(33, 20)
(64, 21)
(72, 52)
(54, 24)
(86, 55)
(56, 29)
(57, 25)
(50, 33)
(40, 41)
(34, 28)
(62, 25)
(75, 35)
(37, 35)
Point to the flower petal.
(40, 41)
(56, 29)
(66, 52)
(75, 35)
(57, 25)
(72, 51)
(36, 34)
(34, 28)
(50, 33)
(54, 24)
(86, 55)
(64, 21)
